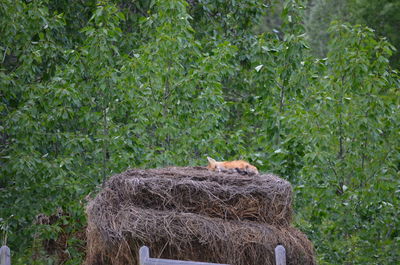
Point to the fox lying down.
(238, 166)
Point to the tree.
(378, 15)
(351, 160)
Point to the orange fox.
(239, 166)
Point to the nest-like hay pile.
(194, 214)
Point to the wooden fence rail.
(144, 258)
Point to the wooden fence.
(144, 258)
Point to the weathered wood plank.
(144, 259)
(5, 256)
(280, 255)
(144, 255)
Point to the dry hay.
(194, 214)
(264, 198)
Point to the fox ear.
(210, 160)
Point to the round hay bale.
(264, 198)
(193, 214)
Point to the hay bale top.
(264, 198)
(202, 174)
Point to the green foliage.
(350, 130)
(381, 15)
(317, 21)
(91, 88)
(175, 86)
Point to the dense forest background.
(306, 89)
